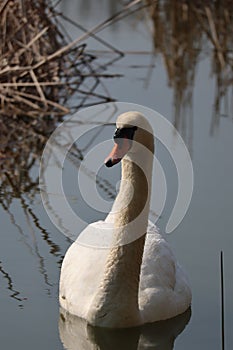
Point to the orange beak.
(118, 152)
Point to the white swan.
(136, 280)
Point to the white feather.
(163, 290)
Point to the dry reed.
(39, 69)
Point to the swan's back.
(163, 288)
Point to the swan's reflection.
(75, 334)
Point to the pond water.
(32, 248)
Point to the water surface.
(32, 248)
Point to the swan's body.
(135, 278)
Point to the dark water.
(32, 248)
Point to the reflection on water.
(112, 6)
(14, 294)
(30, 241)
(19, 187)
(21, 145)
(75, 333)
(183, 33)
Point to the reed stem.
(222, 301)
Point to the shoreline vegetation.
(39, 67)
(42, 69)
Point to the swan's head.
(133, 131)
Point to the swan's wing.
(82, 269)
(159, 263)
(164, 289)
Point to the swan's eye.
(117, 133)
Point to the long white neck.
(116, 302)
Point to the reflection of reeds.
(184, 30)
(176, 37)
(37, 242)
(21, 144)
(14, 294)
(216, 21)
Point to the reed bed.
(39, 68)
